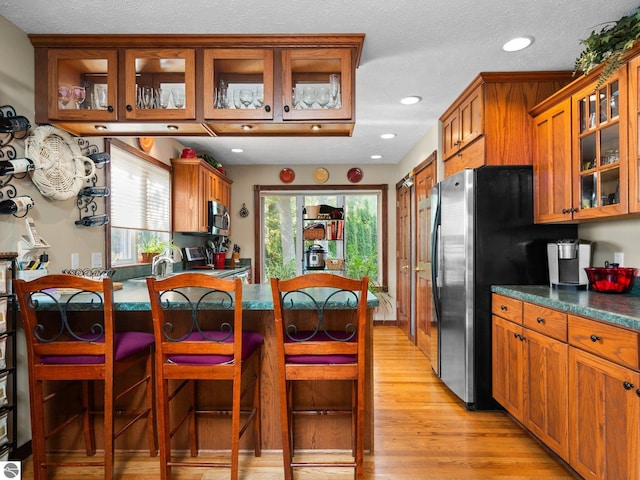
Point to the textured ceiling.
(430, 48)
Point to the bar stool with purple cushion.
(70, 333)
(197, 323)
(320, 328)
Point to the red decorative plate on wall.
(354, 175)
(287, 175)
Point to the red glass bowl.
(611, 280)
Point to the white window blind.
(140, 193)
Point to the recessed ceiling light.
(376, 157)
(387, 135)
(412, 100)
(237, 150)
(518, 43)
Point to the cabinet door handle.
(286, 108)
(564, 210)
(503, 308)
(129, 108)
(516, 335)
(573, 210)
(110, 108)
(595, 338)
(638, 392)
(267, 108)
(522, 338)
(627, 385)
(540, 320)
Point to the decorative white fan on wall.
(60, 167)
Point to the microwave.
(219, 220)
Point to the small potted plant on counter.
(152, 246)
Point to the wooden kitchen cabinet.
(125, 67)
(489, 123)
(194, 183)
(507, 353)
(546, 356)
(530, 356)
(171, 70)
(582, 150)
(289, 94)
(603, 417)
(94, 70)
(633, 69)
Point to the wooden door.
(425, 179)
(403, 259)
(545, 390)
(507, 364)
(603, 417)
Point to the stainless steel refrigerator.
(482, 234)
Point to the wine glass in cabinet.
(148, 71)
(244, 73)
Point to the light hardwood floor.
(422, 432)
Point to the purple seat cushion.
(126, 344)
(321, 359)
(251, 341)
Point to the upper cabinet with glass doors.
(82, 85)
(160, 84)
(600, 148)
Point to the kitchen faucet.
(160, 264)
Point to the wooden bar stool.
(70, 333)
(321, 345)
(197, 323)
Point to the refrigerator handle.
(435, 260)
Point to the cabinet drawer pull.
(540, 320)
(129, 108)
(595, 338)
(516, 335)
(503, 307)
(267, 108)
(627, 385)
(286, 108)
(110, 108)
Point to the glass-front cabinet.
(238, 84)
(600, 148)
(160, 84)
(316, 83)
(82, 84)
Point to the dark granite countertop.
(619, 308)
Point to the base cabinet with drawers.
(572, 381)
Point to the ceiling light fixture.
(387, 136)
(173, 128)
(237, 150)
(376, 157)
(518, 43)
(412, 100)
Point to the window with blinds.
(140, 205)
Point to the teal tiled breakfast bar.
(133, 311)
